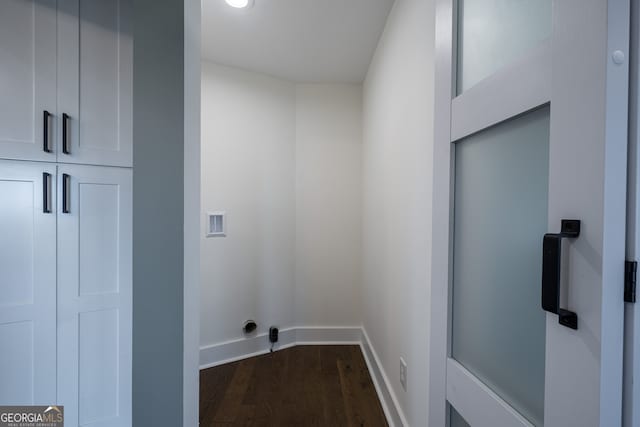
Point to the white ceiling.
(319, 41)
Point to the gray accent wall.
(158, 215)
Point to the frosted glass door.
(456, 419)
(501, 191)
(530, 131)
(494, 33)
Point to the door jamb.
(191, 295)
(441, 215)
(631, 383)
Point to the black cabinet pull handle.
(551, 263)
(45, 131)
(66, 182)
(46, 192)
(65, 136)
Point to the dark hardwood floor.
(298, 386)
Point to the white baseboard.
(234, 350)
(231, 351)
(388, 399)
(328, 335)
(243, 348)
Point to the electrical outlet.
(403, 374)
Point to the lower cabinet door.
(27, 283)
(94, 295)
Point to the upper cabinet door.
(95, 63)
(28, 79)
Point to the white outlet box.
(403, 374)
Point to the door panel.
(94, 301)
(501, 191)
(98, 338)
(488, 350)
(28, 285)
(95, 80)
(28, 82)
(17, 264)
(98, 233)
(17, 364)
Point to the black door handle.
(65, 135)
(46, 192)
(66, 181)
(551, 263)
(45, 131)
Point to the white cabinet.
(95, 73)
(27, 283)
(70, 345)
(94, 295)
(66, 207)
(28, 80)
(66, 72)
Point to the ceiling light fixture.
(240, 4)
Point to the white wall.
(283, 161)
(328, 205)
(248, 170)
(397, 183)
(287, 164)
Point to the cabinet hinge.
(630, 273)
